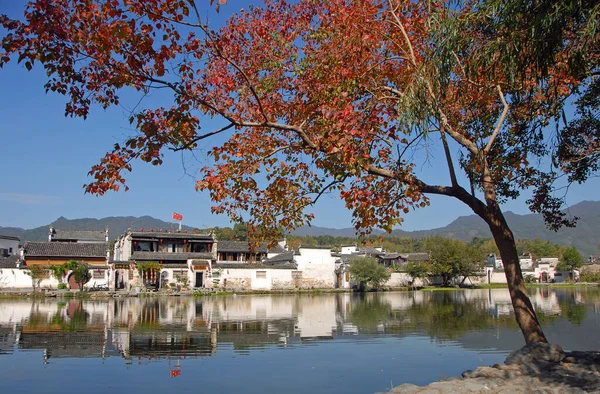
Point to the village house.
(182, 258)
(400, 259)
(58, 253)
(239, 251)
(308, 268)
(78, 236)
(81, 246)
(9, 245)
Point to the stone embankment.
(538, 368)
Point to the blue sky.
(45, 158)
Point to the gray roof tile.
(79, 235)
(9, 262)
(283, 257)
(65, 249)
(238, 246)
(9, 237)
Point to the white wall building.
(9, 245)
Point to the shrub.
(368, 272)
(590, 277)
(62, 286)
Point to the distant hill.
(315, 231)
(585, 237)
(117, 225)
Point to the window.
(199, 248)
(98, 274)
(296, 275)
(10, 250)
(143, 246)
(261, 274)
(175, 248)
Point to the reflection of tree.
(442, 315)
(572, 310)
(369, 311)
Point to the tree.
(58, 272)
(37, 274)
(417, 270)
(368, 272)
(570, 260)
(320, 97)
(472, 262)
(81, 273)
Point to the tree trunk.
(524, 311)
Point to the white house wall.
(10, 244)
(251, 279)
(317, 266)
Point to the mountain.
(117, 225)
(585, 237)
(315, 231)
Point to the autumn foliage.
(317, 97)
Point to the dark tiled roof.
(239, 246)
(370, 251)
(65, 249)
(146, 256)
(9, 262)
(9, 237)
(283, 257)
(172, 235)
(79, 235)
(416, 256)
(389, 256)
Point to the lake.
(319, 343)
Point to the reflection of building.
(186, 326)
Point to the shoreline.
(539, 368)
(55, 293)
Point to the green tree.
(451, 258)
(37, 274)
(81, 272)
(368, 272)
(58, 272)
(417, 270)
(471, 263)
(570, 260)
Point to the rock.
(535, 352)
(406, 388)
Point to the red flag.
(175, 373)
(177, 216)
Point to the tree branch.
(488, 147)
(201, 137)
(453, 180)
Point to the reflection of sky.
(136, 343)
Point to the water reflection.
(157, 328)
